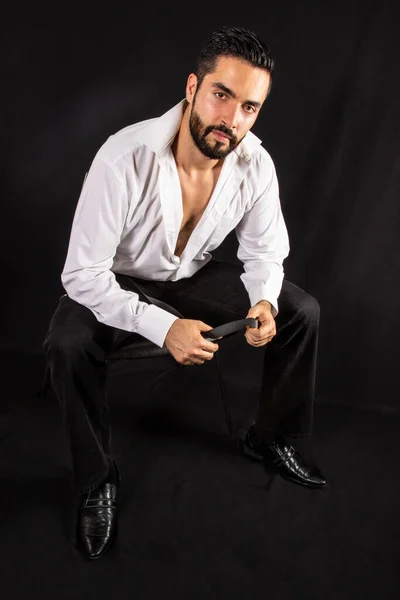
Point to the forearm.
(114, 306)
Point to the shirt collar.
(158, 134)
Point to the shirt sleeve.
(264, 244)
(87, 278)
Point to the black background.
(73, 77)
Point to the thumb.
(203, 326)
(253, 313)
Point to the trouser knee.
(309, 310)
(65, 350)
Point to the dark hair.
(233, 41)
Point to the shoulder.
(262, 161)
(262, 172)
(259, 159)
(141, 142)
(121, 147)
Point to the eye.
(220, 95)
(249, 108)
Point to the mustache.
(228, 132)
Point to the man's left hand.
(267, 330)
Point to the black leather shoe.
(97, 519)
(285, 459)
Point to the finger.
(255, 338)
(210, 347)
(260, 342)
(193, 361)
(267, 329)
(267, 339)
(263, 331)
(203, 354)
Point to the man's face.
(226, 105)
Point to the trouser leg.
(288, 382)
(76, 346)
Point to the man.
(159, 197)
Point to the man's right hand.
(186, 344)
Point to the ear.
(191, 87)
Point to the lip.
(220, 136)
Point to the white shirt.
(129, 213)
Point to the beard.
(211, 149)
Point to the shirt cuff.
(154, 324)
(262, 294)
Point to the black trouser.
(77, 345)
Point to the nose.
(231, 116)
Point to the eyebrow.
(232, 94)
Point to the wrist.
(265, 303)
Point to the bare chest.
(195, 198)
